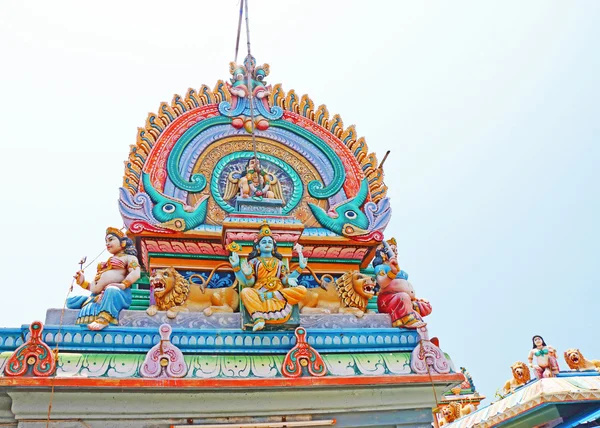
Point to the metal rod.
(239, 31)
(384, 158)
(250, 89)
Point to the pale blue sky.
(490, 109)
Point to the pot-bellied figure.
(111, 287)
(265, 276)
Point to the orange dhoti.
(269, 300)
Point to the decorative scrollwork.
(157, 123)
(164, 359)
(303, 355)
(271, 107)
(33, 358)
(316, 188)
(427, 357)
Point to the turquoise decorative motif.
(128, 365)
(173, 213)
(249, 78)
(121, 339)
(198, 181)
(349, 218)
(315, 188)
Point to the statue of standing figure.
(546, 361)
(270, 290)
(111, 287)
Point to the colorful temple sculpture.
(550, 398)
(251, 284)
(458, 402)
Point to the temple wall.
(372, 406)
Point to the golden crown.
(265, 230)
(116, 232)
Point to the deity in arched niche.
(253, 182)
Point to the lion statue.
(576, 361)
(173, 293)
(348, 295)
(453, 411)
(521, 375)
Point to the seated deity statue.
(253, 182)
(397, 298)
(270, 290)
(111, 287)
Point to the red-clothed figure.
(397, 298)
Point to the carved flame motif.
(427, 357)
(33, 358)
(303, 355)
(164, 359)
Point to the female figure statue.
(264, 275)
(547, 364)
(111, 287)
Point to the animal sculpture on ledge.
(111, 287)
(576, 361)
(521, 376)
(454, 411)
(270, 290)
(397, 298)
(173, 293)
(349, 294)
(347, 218)
(547, 363)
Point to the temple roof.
(568, 389)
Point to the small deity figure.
(265, 276)
(111, 287)
(397, 298)
(468, 382)
(253, 182)
(239, 80)
(385, 251)
(547, 363)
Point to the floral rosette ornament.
(234, 247)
